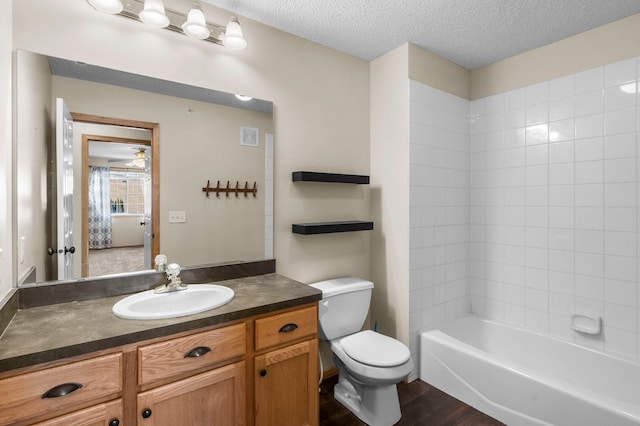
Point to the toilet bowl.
(369, 364)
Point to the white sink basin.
(195, 299)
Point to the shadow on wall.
(380, 311)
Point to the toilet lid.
(375, 349)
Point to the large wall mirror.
(141, 150)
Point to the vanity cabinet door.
(286, 386)
(216, 397)
(107, 414)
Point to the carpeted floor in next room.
(115, 260)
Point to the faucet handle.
(173, 270)
(161, 263)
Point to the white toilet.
(369, 364)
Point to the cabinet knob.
(146, 413)
(263, 372)
(114, 422)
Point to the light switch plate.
(177, 217)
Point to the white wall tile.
(620, 145)
(620, 292)
(539, 133)
(589, 103)
(561, 195)
(514, 99)
(590, 218)
(537, 93)
(621, 121)
(615, 98)
(589, 287)
(589, 80)
(561, 152)
(589, 195)
(620, 219)
(589, 149)
(562, 174)
(548, 175)
(589, 241)
(620, 72)
(620, 268)
(589, 171)
(590, 126)
(563, 108)
(562, 87)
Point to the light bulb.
(106, 6)
(153, 14)
(196, 26)
(233, 38)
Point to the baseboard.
(330, 372)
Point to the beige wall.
(33, 135)
(603, 45)
(6, 132)
(321, 118)
(198, 142)
(435, 71)
(390, 192)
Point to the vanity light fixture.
(196, 26)
(233, 38)
(192, 24)
(107, 6)
(153, 14)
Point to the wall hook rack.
(229, 189)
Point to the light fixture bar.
(132, 9)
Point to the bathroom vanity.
(251, 361)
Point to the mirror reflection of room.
(199, 139)
(118, 195)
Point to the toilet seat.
(375, 349)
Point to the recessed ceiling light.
(244, 98)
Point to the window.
(127, 192)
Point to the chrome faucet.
(175, 283)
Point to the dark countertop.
(51, 332)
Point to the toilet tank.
(344, 306)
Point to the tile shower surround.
(524, 206)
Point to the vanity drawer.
(173, 357)
(23, 397)
(286, 327)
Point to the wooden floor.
(420, 403)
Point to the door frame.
(154, 143)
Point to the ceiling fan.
(137, 161)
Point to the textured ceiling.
(471, 33)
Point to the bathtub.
(524, 378)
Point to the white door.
(64, 179)
(148, 234)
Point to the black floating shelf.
(329, 177)
(331, 227)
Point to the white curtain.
(99, 208)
